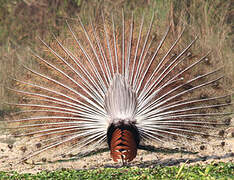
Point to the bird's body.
(118, 90)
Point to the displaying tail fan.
(118, 85)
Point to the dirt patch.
(12, 150)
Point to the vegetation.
(213, 171)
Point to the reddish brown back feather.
(123, 145)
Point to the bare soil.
(12, 150)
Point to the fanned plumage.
(116, 87)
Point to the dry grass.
(210, 20)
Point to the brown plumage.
(123, 142)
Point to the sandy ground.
(11, 150)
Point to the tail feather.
(103, 56)
(158, 102)
(97, 58)
(142, 56)
(136, 51)
(48, 99)
(150, 63)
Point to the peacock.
(120, 85)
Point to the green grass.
(211, 171)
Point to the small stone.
(222, 143)
(10, 146)
(214, 125)
(215, 164)
(70, 155)
(205, 136)
(228, 100)
(216, 84)
(202, 147)
(44, 159)
(227, 121)
(183, 149)
(207, 61)
(23, 149)
(203, 96)
(232, 134)
(174, 137)
(38, 145)
(188, 86)
(63, 155)
(221, 132)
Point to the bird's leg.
(122, 159)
